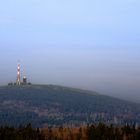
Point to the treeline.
(93, 132)
(21, 133)
(89, 132)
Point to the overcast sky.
(89, 44)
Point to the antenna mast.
(18, 82)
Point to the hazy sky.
(89, 44)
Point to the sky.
(88, 44)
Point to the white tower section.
(18, 82)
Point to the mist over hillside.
(45, 105)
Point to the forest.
(88, 132)
(51, 105)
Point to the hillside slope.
(56, 105)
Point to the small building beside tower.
(24, 80)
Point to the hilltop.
(44, 105)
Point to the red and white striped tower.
(18, 82)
